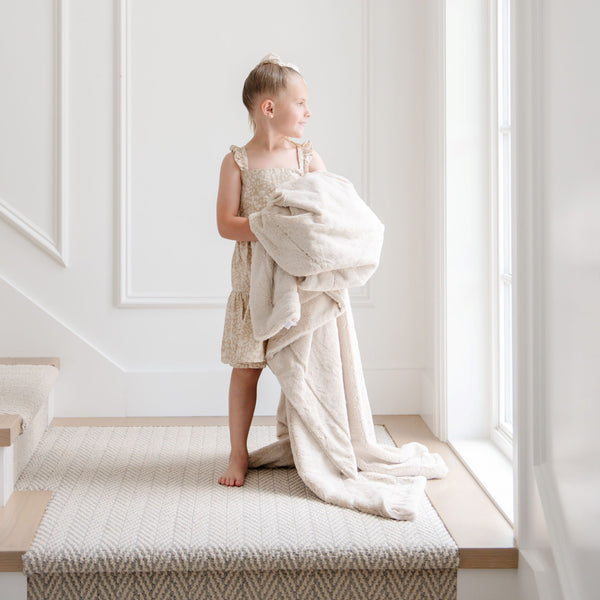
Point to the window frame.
(500, 434)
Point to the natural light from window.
(504, 415)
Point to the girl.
(276, 97)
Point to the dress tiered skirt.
(239, 348)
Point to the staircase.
(26, 409)
(23, 510)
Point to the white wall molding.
(55, 242)
(126, 296)
(433, 380)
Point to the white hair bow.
(274, 58)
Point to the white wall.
(107, 191)
(558, 290)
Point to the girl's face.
(291, 110)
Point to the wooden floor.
(485, 539)
(19, 521)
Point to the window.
(503, 409)
(478, 270)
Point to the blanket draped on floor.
(317, 238)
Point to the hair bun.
(274, 58)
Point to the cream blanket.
(317, 238)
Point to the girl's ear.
(266, 107)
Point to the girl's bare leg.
(242, 401)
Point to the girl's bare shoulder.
(233, 161)
(316, 163)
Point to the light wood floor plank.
(19, 521)
(10, 428)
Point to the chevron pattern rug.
(137, 513)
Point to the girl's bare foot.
(236, 471)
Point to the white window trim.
(491, 469)
(503, 441)
(499, 434)
(495, 433)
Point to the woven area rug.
(137, 512)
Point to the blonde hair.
(269, 76)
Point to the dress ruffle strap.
(240, 157)
(306, 154)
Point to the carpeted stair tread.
(24, 388)
(146, 499)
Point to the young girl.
(276, 97)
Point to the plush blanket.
(317, 238)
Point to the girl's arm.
(229, 223)
(316, 164)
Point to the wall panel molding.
(54, 243)
(126, 296)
